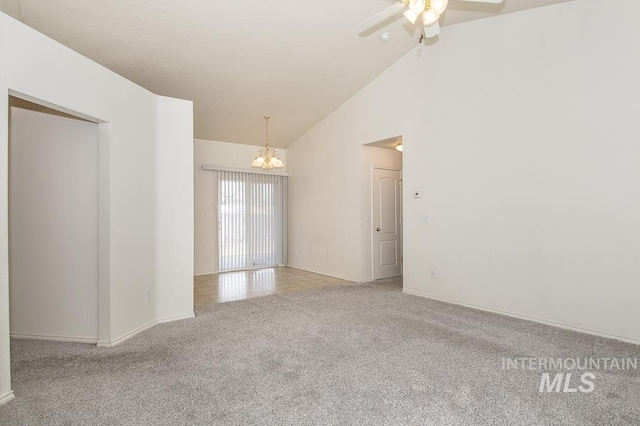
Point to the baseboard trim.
(7, 397)
(176, 318)
(129, 335)
(98, 343)
(325, 274)
(526, 318)
(199, 274)
(66, 339)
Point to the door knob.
(378, 229)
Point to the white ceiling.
(239, 60)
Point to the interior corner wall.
(175, 218)
(44, 71)
(221, 154)
(324, 205)
(330, 206)
(522, 142)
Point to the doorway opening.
(55, 201)
(384, 231)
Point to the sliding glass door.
(252, 220)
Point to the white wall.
(330, 202)
(53, 226)
(221, 154)
(42, 70)
(175, 223)
(329, 188)
(522, 142)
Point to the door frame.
(372, 207)
(104, 218)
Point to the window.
(252, 220)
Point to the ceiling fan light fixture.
(431, 30)
(411, 16)
(429, 17)
(417, 6)
(439, 6)
(431, 10)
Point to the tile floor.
(230, 286)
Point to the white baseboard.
(199, 274)
(526, 318)
(6, 397)
(325, 274)
(102, 344)
(176, 318)
(129, 335)
(90, 340)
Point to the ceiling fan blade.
(431, 30)
(389, 12)
(485, 1)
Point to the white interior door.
(387, 223)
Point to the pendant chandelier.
(267, 157)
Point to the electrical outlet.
(147, 295)
(434, 273)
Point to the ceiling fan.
(430, 10)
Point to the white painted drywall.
(41, 69)
(330, 202)
(175, 224)
(53, 226)
(324, 202)
(522, 141)
(222, 154)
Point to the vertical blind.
(252, 211)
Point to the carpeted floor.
(358, 354)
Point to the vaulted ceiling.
(239, 60)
